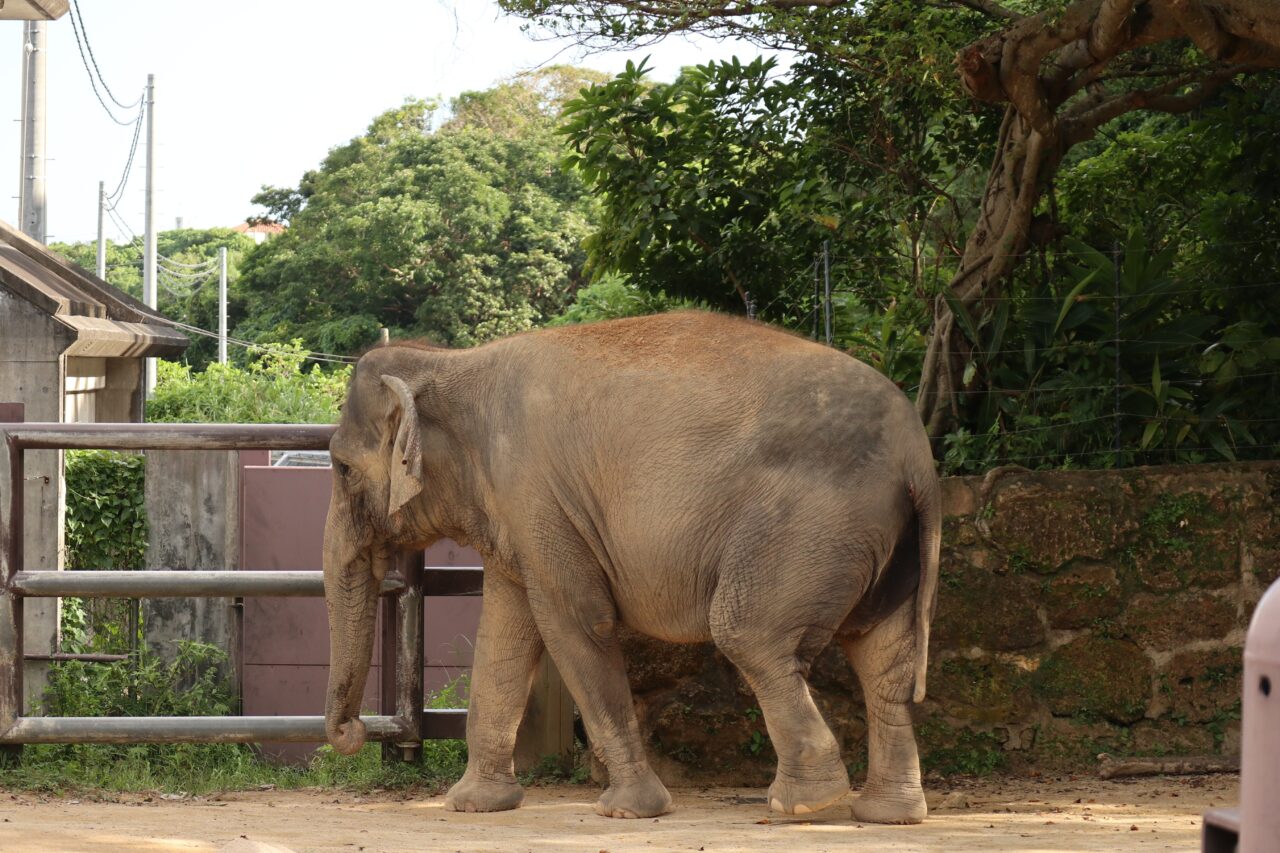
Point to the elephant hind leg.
(774, 659)
(884, 660)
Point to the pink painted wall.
(286, 640)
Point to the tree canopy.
(973, 166)
(459, 233)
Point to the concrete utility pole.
(31, 192)
(102, 236)
(149, 240)
(222, 305)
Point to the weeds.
(189, 686)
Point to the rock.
(1082, 595)
(1168, 737)
(1096, 676)
(1168, 621)
(1187, 539)
(1203, 686)
(979, 608)
(1044, 526)
(980, 692)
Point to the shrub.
(274, 388)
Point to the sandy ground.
(1161, 813)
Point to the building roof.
(259, 228)
(33, 10)
(103, 320)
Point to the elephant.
(691, 476)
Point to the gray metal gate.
(402, 594)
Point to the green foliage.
(966, 753)
(728, 178)
(1194, 377)
(276, 387)
(613, 297)
(106, 522)
(461, 234)
(106, 528)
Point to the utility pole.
(102, 235)
(149, 241)
(31, 193)
(222, 305)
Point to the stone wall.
(1079, 612)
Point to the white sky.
(253, 94)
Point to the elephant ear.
(406, 454)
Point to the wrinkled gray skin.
(691, 476)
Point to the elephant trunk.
(352, 581)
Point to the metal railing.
(402, 602)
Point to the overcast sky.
(253, 94)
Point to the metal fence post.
(410, 697)
(11, 522)
(401, 685)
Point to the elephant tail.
(926, 495)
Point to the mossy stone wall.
(1079, 613)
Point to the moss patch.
(1186, 540)
(950, 751)
(981, 692)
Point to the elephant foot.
(474, 794)
(643, 796)
(804, 796)
(891, 804)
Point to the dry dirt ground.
(1161, 813)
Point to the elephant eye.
(347, 473)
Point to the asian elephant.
(692, 476)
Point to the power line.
(313, 356)
(128, 165)
(75, 8)
(172, 262)
(94, 80)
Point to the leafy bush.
(106, 528)
(106, 522)
(275, 388)
(614, 297)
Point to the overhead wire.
(75, 7)
(308, 354)
(116, 194)
(95, 80)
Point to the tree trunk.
(1024, 164)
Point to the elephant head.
(377, 480)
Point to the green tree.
(461, 234)
(1060, 71)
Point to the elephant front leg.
(508, 648)
(884, 660)
(579, 628)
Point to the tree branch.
(986, 7)
(1086, 117)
